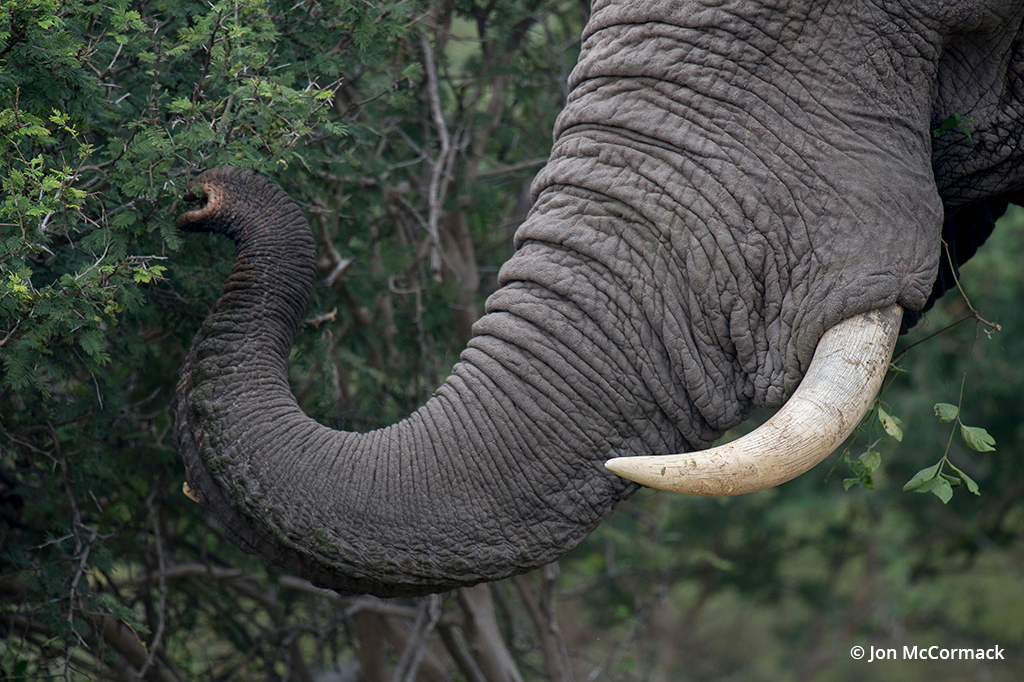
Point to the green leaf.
(921, 478)
(954, 122)
(948, 124)
(968, 481)
(871, 460)
(977, 438)
(890, 424)
(412, 71)
(946, 412)
(926, 486)
(942, 490)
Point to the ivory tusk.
(847, 369)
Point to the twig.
(154, 645)
(455, 642)
(556, 658)
(438, 176)
(427, 616)
(956, 280)
(931, 336)
(513, 168)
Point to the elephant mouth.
(839, 387)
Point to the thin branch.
(162, 582)
(513, 168)
(956, 280)
(556, 659)
(427, 616)
(455, 641)
(438, 179)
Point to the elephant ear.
(964, 230)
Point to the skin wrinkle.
(382, 512)
(293, 520)
(316, 496)
(654, 373)
(637, 297)
(471, 440)
(503, 403)
(498, 479)
(513, 468)
(593, 376)
(614, 398)
(611, 394)
(263, 478)
(473, 470)
(418, 487)
(596, 302)
(336, 466)
(678, 248)
(449, 495)
(982, 91)
(509, 502)
(255, 473)
(722, 63)
(522, 443)
(621, 365)
(552, 398)
(785, 185)
(784, 99)
(391, 456)
(329, 467)
(625, 367)
(653, 315)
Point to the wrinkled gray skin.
(728, 180)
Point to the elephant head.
(731, 183)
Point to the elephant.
(740, 196)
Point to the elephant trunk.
(493, 476)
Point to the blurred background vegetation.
(409, 133)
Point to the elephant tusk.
(847, 369)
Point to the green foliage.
(98, 147)
(106, 111)
(954, 122)
(933, 479)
